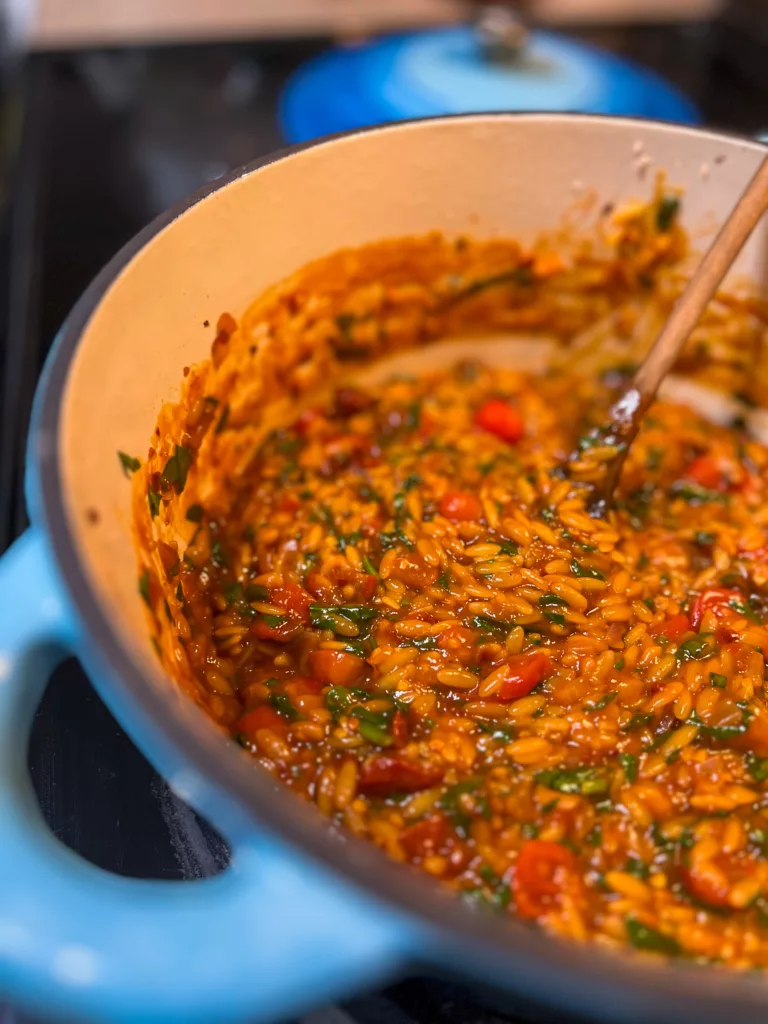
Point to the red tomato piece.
(295, 602)
(283, 632)
(426, 837)
(414, 571)
(322, 587)
(304, 684)
(716, 600)
(392, 773)
(672, 628)
(544, 870)
(460, 505)
(755, 739)
(399, 729)
(706, 472)
(335, 668)
(755, 554)
(350, 401)
(502, 419)
(262, 717)
(330, 589)
(307, 419)
(288, 503)
(294, 599)
(371, 527)
(523, 673)
(725, 636)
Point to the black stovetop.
(108, 140)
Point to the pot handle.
(270, 936)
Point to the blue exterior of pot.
(443, 71)
(272, 935)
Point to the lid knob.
(502, 31)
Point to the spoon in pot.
(626, 414)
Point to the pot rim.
(581, 977)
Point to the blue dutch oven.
(449, 71)
(304, 914)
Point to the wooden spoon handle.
(703, 285)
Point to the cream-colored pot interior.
(483, 176)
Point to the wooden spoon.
(627, 412)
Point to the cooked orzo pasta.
(405, 612)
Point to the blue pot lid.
(444, 71)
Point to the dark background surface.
(105, 141)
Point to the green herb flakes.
(638, 721)
(694, 494)
(697, 648)
(666, 212)
(603, 701)
(153, 499)
(177, 467)
(281, 702)
(642, 936)
(628, 763)
(704, 538)
(579, 569)
(757, 767)
(129, 463)
(221, 426)
(587, 781)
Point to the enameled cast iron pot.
(303, 915)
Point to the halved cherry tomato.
(426, 837)
(262, 717)
(502, 419)
(414, 571)
(717, 600)
(672, 628)
(706, 472)
(335, 668)
(543, 872)
(460, 505)
(392, 773)
(524, 671)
